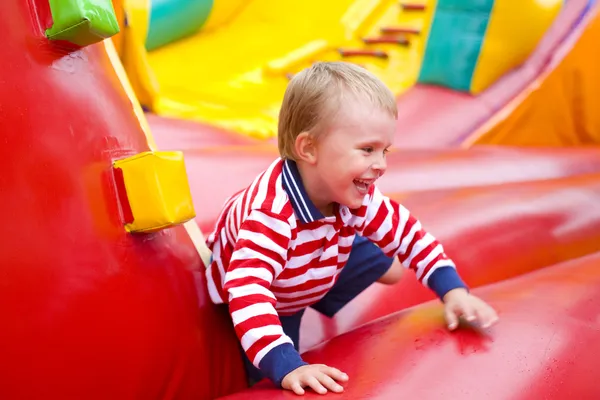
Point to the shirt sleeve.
(399, 234)
(258, 257)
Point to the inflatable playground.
(127, 124)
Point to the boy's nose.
(380, 164)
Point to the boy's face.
(351, 152)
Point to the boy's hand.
(317, 376)
(458, 302)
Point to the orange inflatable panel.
(559, 74)
(563, 103)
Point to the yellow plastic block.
(157, 193)
(514, 30)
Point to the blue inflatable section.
(454, 42)
(171, 20)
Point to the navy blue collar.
(292, 183)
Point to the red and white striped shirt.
(274, 253)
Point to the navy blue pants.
(366, 264)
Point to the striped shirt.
(275, 253)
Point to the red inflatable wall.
(89, 311)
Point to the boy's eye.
(368, 149)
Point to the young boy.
(313, 230)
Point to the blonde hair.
(314, 94)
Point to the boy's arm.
(258, 257)
(398, 233)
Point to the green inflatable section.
(455, 40)
(171, 20)
(82, 22)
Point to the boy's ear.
(305, 147)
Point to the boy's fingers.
(468, 312)
(451, 319)
(330, 384)
(297, 388)
(334, 373)
(314, 383)
(483, 312)
(488, 317)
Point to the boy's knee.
(393, 274)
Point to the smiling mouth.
(362, 185)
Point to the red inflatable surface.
(408, 171)
(89, 311)
(545, 347)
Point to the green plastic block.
(82, 22)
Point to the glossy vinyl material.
(172, 20)
(545, 347)
(89, 311)
(153, 191)
(190, 135)
(457, 36)
(513, 32)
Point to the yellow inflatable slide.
(231, 71)
(226, 63)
